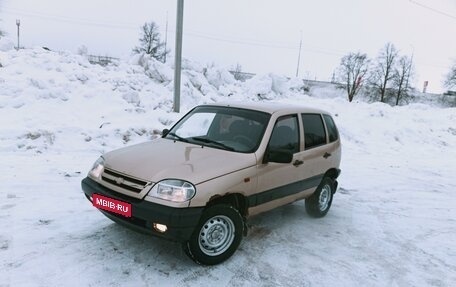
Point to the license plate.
(112, 205)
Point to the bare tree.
(450, 81)
(384, 70)
(83, 50)
(2, 33)
(150, 42)
(353, 67)
(237, 72)
(402, 78)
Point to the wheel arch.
(236, 200)
(333, 173)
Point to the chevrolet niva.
(216, 167)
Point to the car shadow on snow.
(140, 248)
(116, 243)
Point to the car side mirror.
(278, 155)
(164, 133)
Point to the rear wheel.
(217, 236)
(319, 203)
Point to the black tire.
(223, 225)
(319, 203)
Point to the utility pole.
(18, 23)
(299, 56)
(178, 54)
(166, 35)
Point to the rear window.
(331, 126)
(314, 130)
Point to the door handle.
(326, 155)
(297, 162)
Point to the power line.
(262, 44)
(433, 9)
(245, 42)
(12, 11)
(242, 42)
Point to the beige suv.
(216, 167)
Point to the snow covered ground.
(392, 223)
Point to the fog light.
(160, 227)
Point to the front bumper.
(180, 221)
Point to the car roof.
(271, 107)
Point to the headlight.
(97, 168)
(173, 190)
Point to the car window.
(233, 129)
(332, 130)
(314, 130)
(197, 125)
(285, 134)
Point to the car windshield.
(227, 128)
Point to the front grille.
(123, 181)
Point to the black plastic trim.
(284, 190)
(180, 221)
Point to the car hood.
(164, 159)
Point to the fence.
(101, 60)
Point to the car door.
(317, 153)
(280, 183)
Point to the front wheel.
(217, 236)
(319, 203)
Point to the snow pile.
(71, 101)
(6, 44)
(47, 94)
(391, 223)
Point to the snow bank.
(58, 113)
(6, 44)
(49, 93)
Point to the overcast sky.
(261, 35)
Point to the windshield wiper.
(209, 141)
(177, 137)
